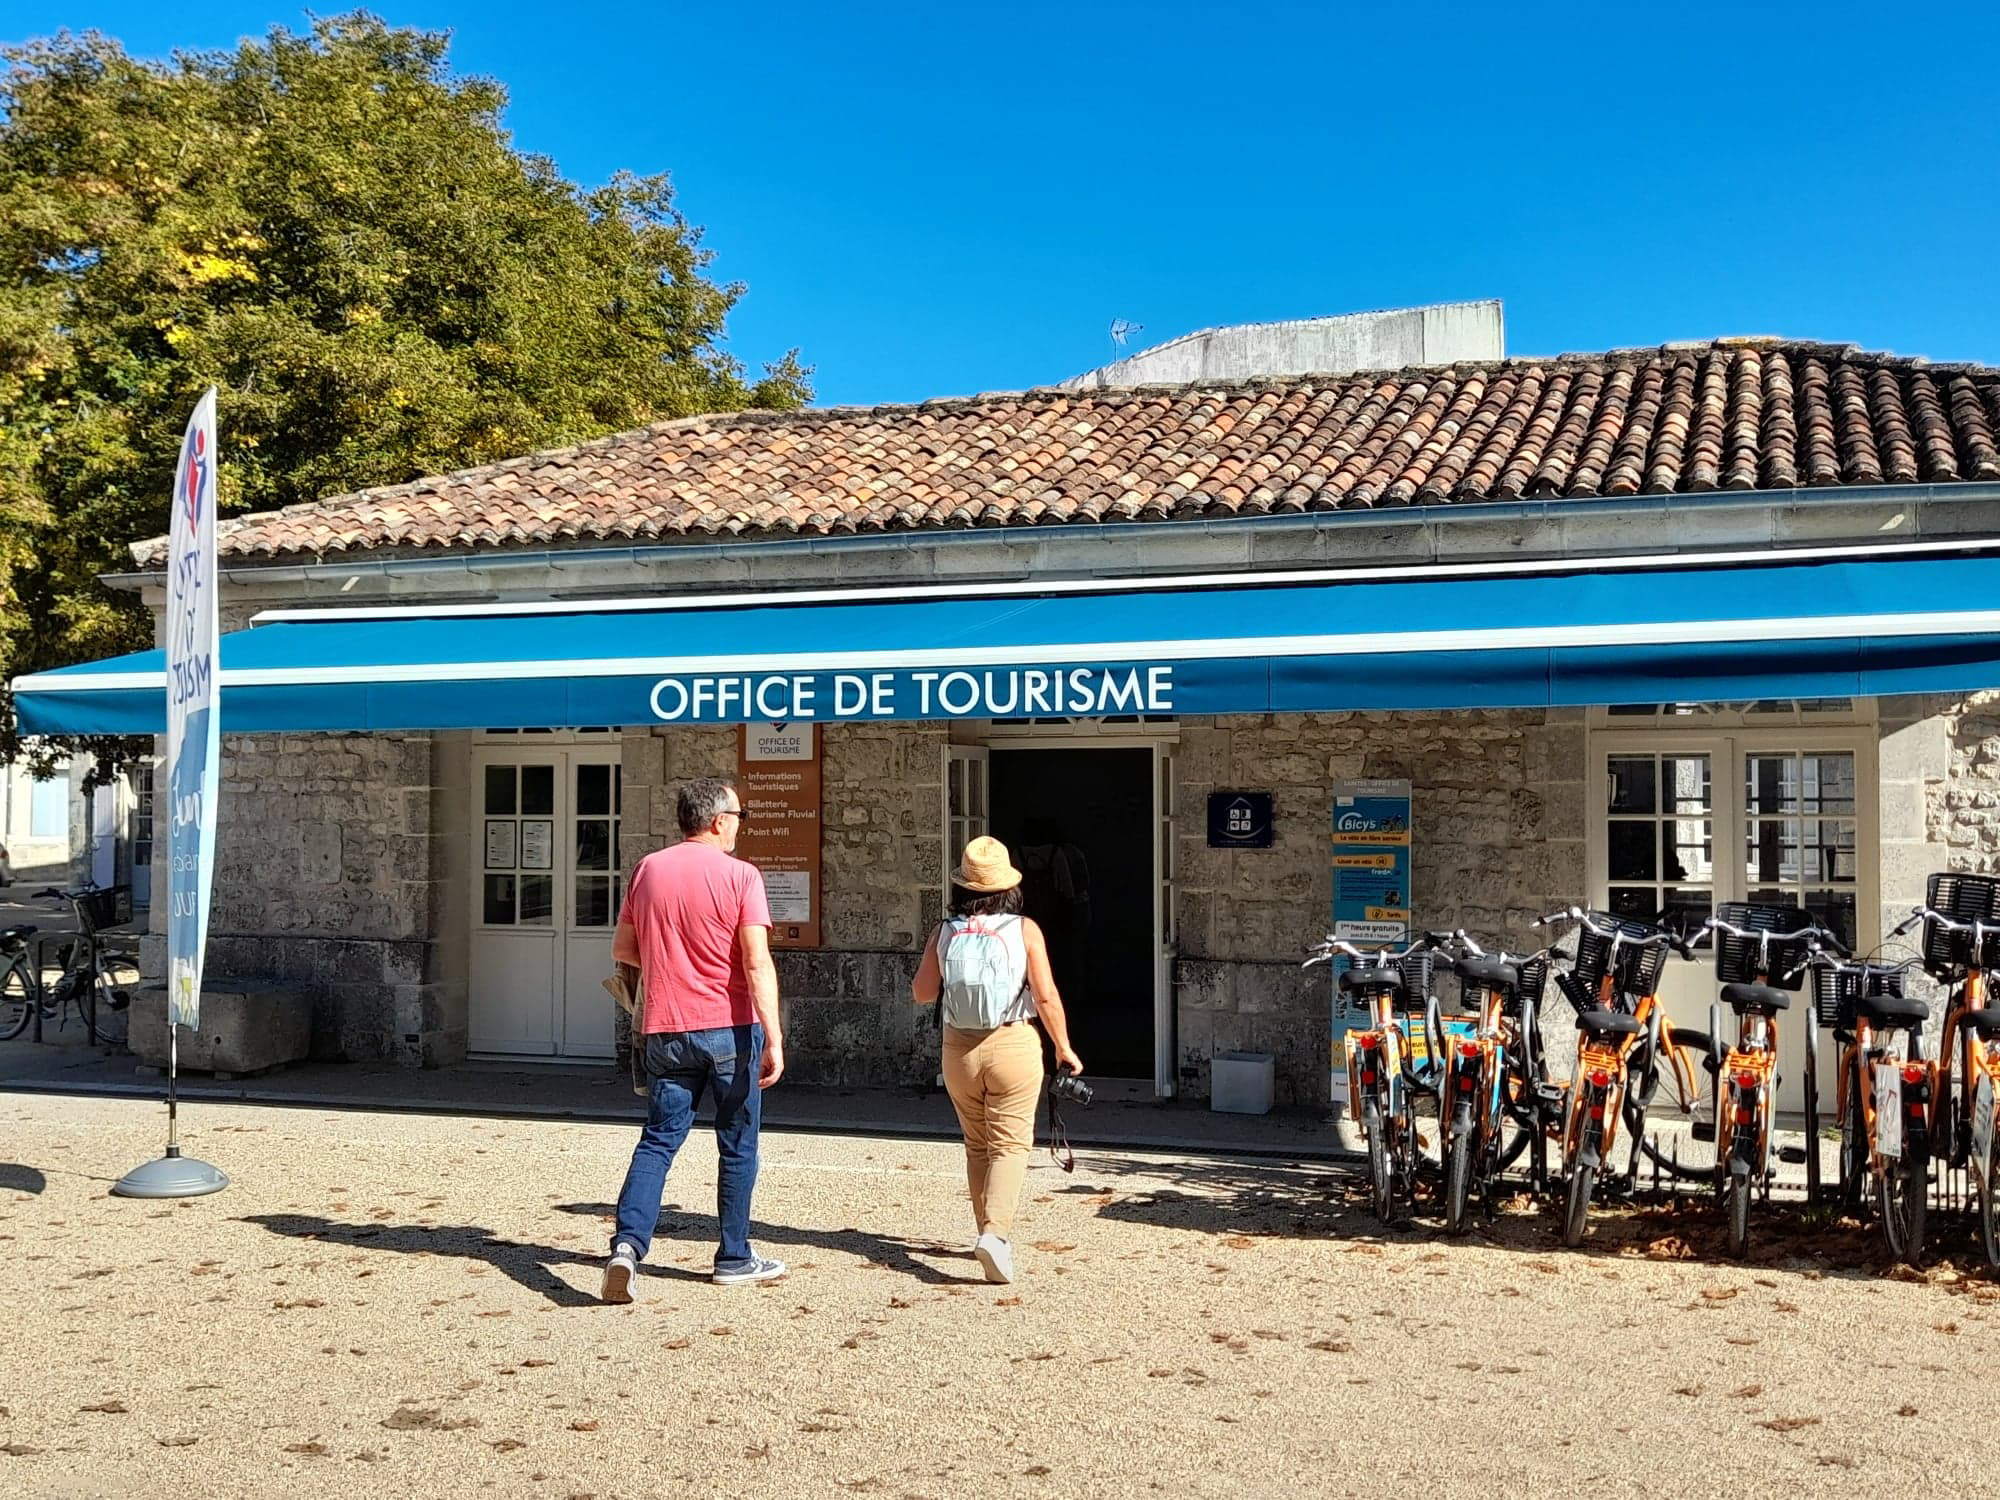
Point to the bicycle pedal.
(120, 999)
(1704, 1130)
(1792, 1155)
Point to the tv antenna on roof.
(1121, 330)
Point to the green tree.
(335, 230)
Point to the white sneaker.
(996, 1258)
(618, 1274)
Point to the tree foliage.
(334, 229)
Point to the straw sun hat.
(984, 867)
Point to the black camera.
(1071, 1089)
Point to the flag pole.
(193, 766)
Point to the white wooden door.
(545, 849)
(967, 802)
(595, 797)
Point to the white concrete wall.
(1447, 333)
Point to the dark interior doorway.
(1080, 826)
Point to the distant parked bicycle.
(85, 983)
(1883, 1098)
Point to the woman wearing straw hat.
(989, 966)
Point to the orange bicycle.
(1614, 985)
(1758, 958)
(1883, 1100)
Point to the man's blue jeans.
(681, 1065)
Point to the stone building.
(1644, 630)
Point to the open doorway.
(1079, 823)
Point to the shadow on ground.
(20, 1179)
(526, 1264)
(910, 1257)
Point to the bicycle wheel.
(1853, 1143)
(1682, 1146)
(1459, 1157)
(16, 1001)
(1738, 1194)
(1382, 1192)
(1989, 1211)
(109, 1011)
(1582, 1179)
(1903, 1189)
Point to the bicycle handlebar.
(1817, 957)
(1660, 938)
(1920, 914)
(1812, 932)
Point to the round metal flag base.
(174, 1176)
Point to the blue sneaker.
(756, 1268)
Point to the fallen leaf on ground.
(1331, 1346)
(177, 1442)
(1746, 1392)
(1789, 1424)
(108, 1408)
(310, 1450)
(1718, 1293)
(584, 1424)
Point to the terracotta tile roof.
(1759, 414)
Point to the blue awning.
(1846, 623)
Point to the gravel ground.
(405, 1305)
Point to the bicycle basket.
(1534, 979)
(1639, 969)
(1963, 898)
(1417, 968)
(100, 908)
(1836, 989)
(1736, 958)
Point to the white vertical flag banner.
(194, 731)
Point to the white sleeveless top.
(1008, 929)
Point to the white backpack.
(984, 963)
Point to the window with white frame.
(1740, 802)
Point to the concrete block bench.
(247, 1026)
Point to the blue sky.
(935, 200)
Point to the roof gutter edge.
(1431, 517)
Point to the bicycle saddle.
(1388, 977)
(1609, 1023)
(1892, 1012)
(1983, 1023)
(1498, 973)
(1757, 997)
(12, 936)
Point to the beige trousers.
(995, 1081)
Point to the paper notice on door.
(790, 895)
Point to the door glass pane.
(593, 901)
(1687, 849)
(593, 789)
(499, 790)
(1771, 784)
(1632, 784)
(1834, 910)
(1639, 902)
(538, 789)
(1686, 910)
(954, 781)
(537, 900)
(1771, 850)
(1687, 785)
(1827, 784)
(618, 789)
(499, 903)
(1632, 851)
(593, 843)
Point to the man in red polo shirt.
(697, 928)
